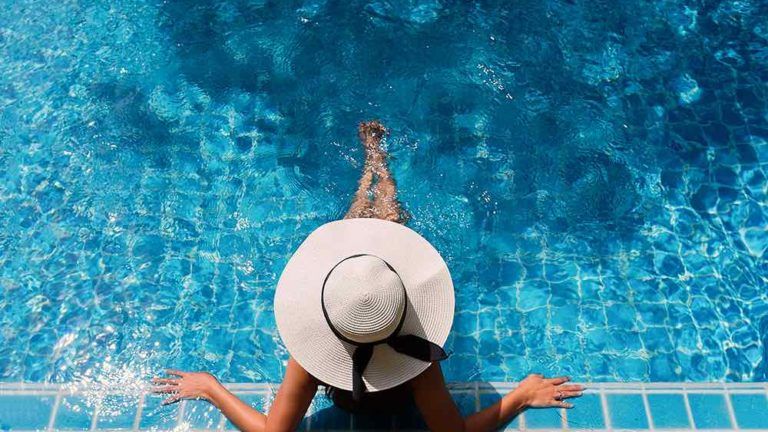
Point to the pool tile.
(544, 418)
(587, 413)
(120, 414)
(627, 411)
(74, 414)
(709, 411)
(668, 411)
(201, 415)
(154, 415)
(25, 412)
(465, 402)
(489, 399)
(751, 410)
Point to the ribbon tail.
(360, 359)
(417, 347)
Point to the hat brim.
(299, 314)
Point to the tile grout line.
(180, 414)
(688, 411)
(478, 406)
(95, 418)
(55, 409)
(647, 408)
(729, 406)
(563, 418)
(604, 406)
(139, 412)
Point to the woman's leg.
(384, 204)
(361, 205)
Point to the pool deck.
(604, 407)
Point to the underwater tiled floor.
(595, 178)
(604, 406)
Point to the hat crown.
(364, 299)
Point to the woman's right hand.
(188, 385)
(540, 392)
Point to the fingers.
(169, 385)
(169, 381)
(571, 387)
(173, 399)
(534, 377)
(562, 404)
(165, 389)
(567, 394)
(559, 380)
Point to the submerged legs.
(377, 200)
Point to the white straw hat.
(367, 295)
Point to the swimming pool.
(594, 177)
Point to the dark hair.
(343, 399)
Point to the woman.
(363, 307)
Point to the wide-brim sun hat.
(365, 304)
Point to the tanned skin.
(376, 195)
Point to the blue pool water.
(593, 172)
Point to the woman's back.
(391, 401)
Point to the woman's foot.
(371, 133)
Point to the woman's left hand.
(188, 385)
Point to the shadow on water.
(129, 104)
(436, 74)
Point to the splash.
(113, 388)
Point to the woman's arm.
(440, 412)
(290, 405)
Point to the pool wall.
(604, 407)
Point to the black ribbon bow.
(410, 345)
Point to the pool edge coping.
(603, 390)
